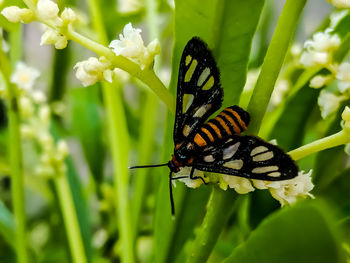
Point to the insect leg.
(171, 195)
(179, 177)
(196, 177)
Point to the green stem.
(70, 219)
(334, 140)
(148, 126)
(119, 139)
(219, 208)
(147, 76)
(273, 61)
(16, 162)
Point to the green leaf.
(87, 125)
(7, 225)
(78, 199)
(302, 233)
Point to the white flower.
(62, 150)
(129, 6)
(343, 75)
(51, 36)
(92, 70)
(289, 191)
(241, 185)
(38, 96)
(296, 49)
(282, 86)
(318, 51)
(312, 58)
(185, 171)
(44, 114)
(68, 16)
(131, 45)
(319, 81)
(346, 118)
(323, 41)
(26, 107)
(340, 3)
(121, 75)
(329, 102)
(24, 76)
(47, 9)
(15, 14)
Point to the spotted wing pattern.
(199, 93)
(249, 157)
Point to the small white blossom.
(340, 3)
(121, 75)
(319, 81)
(61, 151)
(329, 102)
(92, 70)
(38, 96)
(24, 76)
(52, 37)
(185, 171)
(282, 86)
(26, 107)
(129, 6)
(45, 115)
(296, 49)
(289, 191)
(47, 9)
(346, 118)
(239, 184)
(68, 16)
(131, 45)
(318, 51)
(15, 14)
(343, 75)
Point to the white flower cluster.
(131, 45)
(92, 70)
(319, 52)
(286, 192)
(46, 10)
(35, 121)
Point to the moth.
(216, 145)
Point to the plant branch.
(339, 138)
(273, 61)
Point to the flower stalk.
(339, 138)
(16, 160)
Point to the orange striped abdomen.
(232, 120)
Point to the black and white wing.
(249, 157)
(199, 93)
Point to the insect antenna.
(147, 166)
